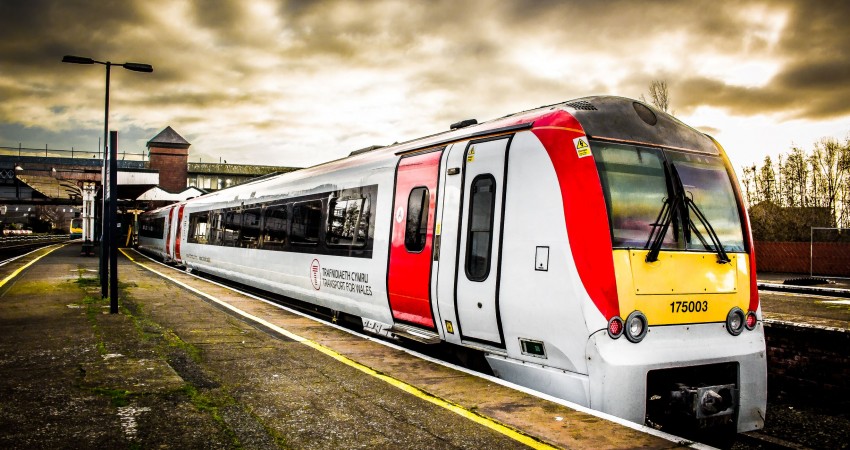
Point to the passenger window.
(153, 228)
(479, 238)
(274, 227)
(416, 227)
(232, 224)
(348, 222)
(250, 235)
(217, 228)
(198, 227)
(306, 222)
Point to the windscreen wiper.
(660, 226)
(666, 216)
(662, 223)
(722, 257)
(691, 206)
(668, 212)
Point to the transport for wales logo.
(316, 274)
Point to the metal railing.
(63, 153)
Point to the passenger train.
(76, 229)
(597, 250)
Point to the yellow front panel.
(683, 273)
(681, 287)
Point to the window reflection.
(636, 185)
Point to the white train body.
(557, 249)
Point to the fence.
(821, 258)
(73, 154)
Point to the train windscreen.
(681, 200)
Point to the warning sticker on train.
(582, 148)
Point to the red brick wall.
(807, 363)
(172, 165)
(830, 258)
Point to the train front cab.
(689, 339)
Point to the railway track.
(9, 253)
(801, 417)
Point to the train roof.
(624, 119)
(602, 117)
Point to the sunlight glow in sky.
(297, 83)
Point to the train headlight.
(735, 321)
(636, 327)
(615, 327)
(751, 320)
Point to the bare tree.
(766, 181)
(659, 95)
(796, 174)
(749, 181)
(831, 163)
(843, 201)
(811, 180)
(55, 216)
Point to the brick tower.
(169, 154)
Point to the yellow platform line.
(488, 422)
(22, 268)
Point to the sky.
(296, 83)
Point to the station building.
(47, 184)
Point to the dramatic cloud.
(301, 82)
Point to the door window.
(416, 228)
(479, 239)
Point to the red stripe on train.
(584, 209)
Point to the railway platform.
(822, 305)
(190, 364)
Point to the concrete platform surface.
(826, 305)
(176, 369)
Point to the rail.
(64, 153)
(27, 239)
(808, 290)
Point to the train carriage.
(597, 250)
(76, 229)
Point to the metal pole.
(113, 220)
(811, 252)
(104, 230)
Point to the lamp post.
(107, 221)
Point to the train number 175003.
(689, 307)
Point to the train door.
(178, 235)
(168, 219)
(409, 272)
(479, 239)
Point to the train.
(597, 250)
(76, 228)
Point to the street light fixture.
(135, 67)
(106, 244)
